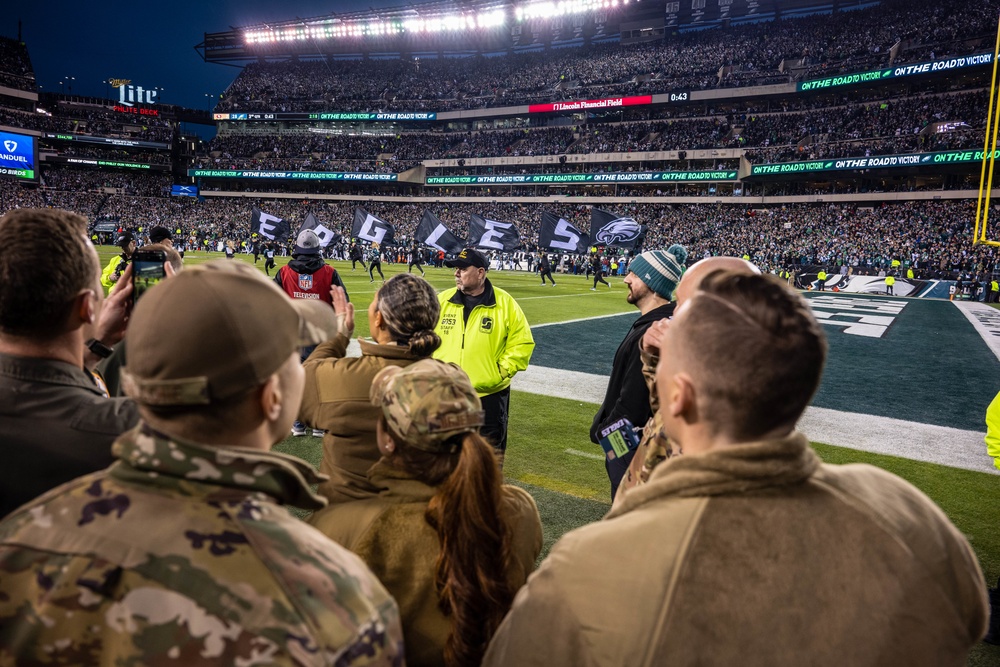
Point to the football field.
(905, 388)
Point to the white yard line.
(985, 320)
(586, 455)
(942, 445)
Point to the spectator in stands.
(56, 419)
(182, 548)
(750, 509)
(449, 540)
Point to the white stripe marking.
(985, 320)
(941, 445)
(586, 455)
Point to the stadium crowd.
(15, 65)
(746, 55)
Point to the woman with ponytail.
(446, 537)
(401, 317)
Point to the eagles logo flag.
(559, 235)
(609, 229)
(325, 234)
(492, 234)
(433, 233)
(369, 228)
(269, 226)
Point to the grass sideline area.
(572, 490)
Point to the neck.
(651, 302)
(259, 437)
(382, 336)
(67, 347)
(701, 439)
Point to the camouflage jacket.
(182, 552)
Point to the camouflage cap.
(215, 331)
(428, 402)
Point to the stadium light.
(485, 19)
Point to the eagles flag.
(610, 229)
(269, 226)
(368, 227)
(432, 232)
(493, 234)
(559, 235)
(325, 234)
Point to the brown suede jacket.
(393, 538)
(336, 400)
(754, 555)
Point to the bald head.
(696, 273)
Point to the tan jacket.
(754, 555)
(393, 538)
(336, 400)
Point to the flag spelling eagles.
(433, 233)
(269, 226)
(609, 229)
(486, 233)
(368, 227)
(325, 234)
(560, 235)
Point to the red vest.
(306, 286)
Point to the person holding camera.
(116, 266)
(56, 418)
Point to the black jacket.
(55, 425)
(627, 394)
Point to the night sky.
(149, 42)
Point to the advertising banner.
(295, 175)
(621, 177)
(582, 105)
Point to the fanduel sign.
(17, 151)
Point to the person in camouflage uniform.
(181, 551)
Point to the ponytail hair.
(472, 568)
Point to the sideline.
(985, 320)
(942, 445)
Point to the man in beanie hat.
(651, 281)
(182, 550)
(116, 266)
(307, 276)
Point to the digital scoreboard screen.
(19, 156)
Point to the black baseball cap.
(125, 238)
(468, 257)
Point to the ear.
(377, 321)
(271, 397)
(684, 398)
(386, 445)
(86, 307)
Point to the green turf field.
(929, 366)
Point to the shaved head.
(750, 351)
(696, 273)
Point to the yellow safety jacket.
(492, 346)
